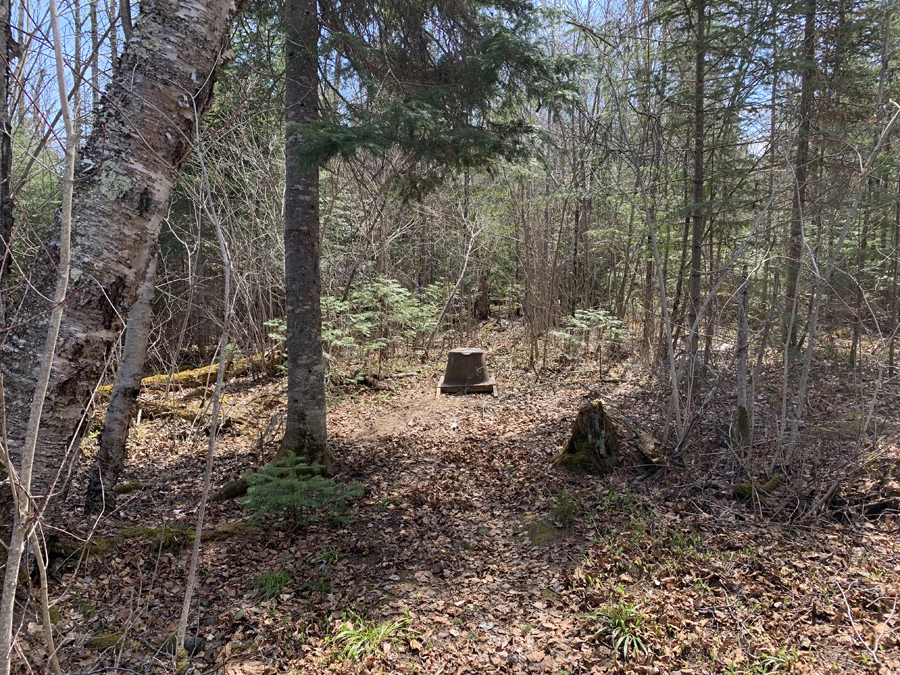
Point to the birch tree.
(124, 178)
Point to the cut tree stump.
(593, 447)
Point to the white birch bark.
(101, 491)
(20, 470)
(125, 177)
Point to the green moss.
(168, 539)
(743, 426)
(851, 425)
(73, 548)
(224, 531)
(201, 393)
(593, 447)
(753, 491)
(104, 641)
(539, 532)
(563, 511)
(182, 661)
(126, 488)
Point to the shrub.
(373, 322)
(589, 331)
(298, 491)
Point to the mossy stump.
(593, 447)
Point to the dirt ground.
(469, 553)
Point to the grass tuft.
(357, 638)
(622, 624)
(270, 585)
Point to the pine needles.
(298, 492)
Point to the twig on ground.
(871, 651)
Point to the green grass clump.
(356, 637)
(563, 511)
(270, 585)
(622, 625)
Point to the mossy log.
(754, 491)
(232, 490)
(167, 539)
(206, 376)
(169, 409)
(593, 447)
(202, 378)
(231, 421)
(104, 641)
(128, 488)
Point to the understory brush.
(298, 491)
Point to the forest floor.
(470, 554)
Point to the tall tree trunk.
(6, 207)
(112, 16)
(20, 513)
(125, 18)
(678, 304)
(860, 266)
(305, 428)
(101, 490)
(874, 185)
(697, 207)
(800, 171)
(744, 412)
(125, 177)
(824, 279)
(95, 57)
(895, 243)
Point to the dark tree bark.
(101, 489)
(801, 162)
(6, 207)
(744, 400)
(697, 207)
(125, 18)
(305, 429)
(125, 177)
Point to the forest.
(243, 243)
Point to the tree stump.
(593, 447)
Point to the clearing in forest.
(469, 553)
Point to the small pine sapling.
(298, 491)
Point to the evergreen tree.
(443, 82)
